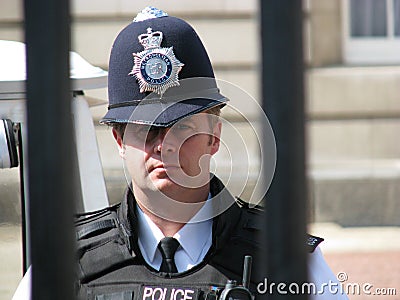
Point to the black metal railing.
(283, 102)
(50, 148)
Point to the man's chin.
(171, 183)
(164, 184)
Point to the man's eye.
(142, 130)
(134, 128)
(183, 126)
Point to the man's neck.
(168, 228)
(171, 214)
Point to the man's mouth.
(165, 167)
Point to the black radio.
(233, 291)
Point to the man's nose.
(166, 141)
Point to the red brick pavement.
(379, 269)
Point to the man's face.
(172, 159)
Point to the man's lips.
(164, 167)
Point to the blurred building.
(352, 54)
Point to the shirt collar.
(202, 231)
(149, 235)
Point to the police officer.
(178, 233)
(171, 242)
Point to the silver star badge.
(155, 68)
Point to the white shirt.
(322, 276)
(191, 251)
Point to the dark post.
(283, 102)
(47, 37)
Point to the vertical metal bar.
(51, 192)
(283, 101)
(25, 259)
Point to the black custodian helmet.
(159, 72)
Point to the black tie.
(167, 247)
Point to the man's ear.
(215, 138)
(121, 146)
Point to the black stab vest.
(111, 267)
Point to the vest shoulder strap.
(313, 242)
(102, 243)
(254, 222)
(246, 239)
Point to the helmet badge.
(155, 68)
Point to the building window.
(371, 31)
